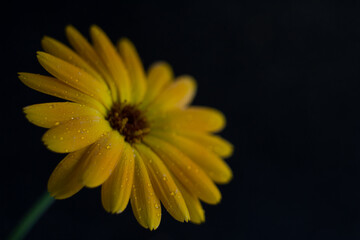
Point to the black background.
(285, 74)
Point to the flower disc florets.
(129, 121)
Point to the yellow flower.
(131, 132)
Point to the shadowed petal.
(164, 184)
(64, 180)
(101, 159)
(144, 201)
(186, 171)
(214, 166)
(116, 190)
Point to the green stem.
(32, 216)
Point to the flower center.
(129, 121)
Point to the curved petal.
(84, 49)
(75, 77)
(64, 180)
(101, 158)
(186, 171)
(54, 87)
(195, 119)
(177, 95)
(63, 52)
(113, 62)
(144, 202)
(135, 69)
(197, 213)
(48, 115)
(116, 190)
(213, 143)
(215, 167)
(75, 134)
(164, 184)
(159, 77)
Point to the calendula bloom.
(130, 132)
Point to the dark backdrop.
(285, 74)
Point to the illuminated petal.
(191, 119)
(197, 213)
(214, 166)
(177, 95)
(116, 190)
(75, 77)
(63, 52)
(113, 62)
(144, 202)
(164, 184)
(64, 181)
(213, 143)
(159, 77)
(75, 134)
(101, 158)
(48, 115)
(135, 69)
(54, 87)
(186, 171)
(84, 49)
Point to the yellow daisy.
(134, 133)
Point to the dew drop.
(51, 106)
(57, 123)
(108, 146)
(61, 138)
(156, 205)
(172, 193)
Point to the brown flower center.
(129, 121)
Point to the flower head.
(132, 133)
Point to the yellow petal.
(101, 158)
(48, 115)
(164, 184)
(75, 77)
(144, 202)
(186, 171)
(214, 166)
(116, 190)
(113, 62)
(159, 77)
(177, 95)
(75, 134)
(85, 50)
(197, 119)
(54, 87)
(64, 181)
(63, 52)
(213, 143)
(135, 69)
(197, 213)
